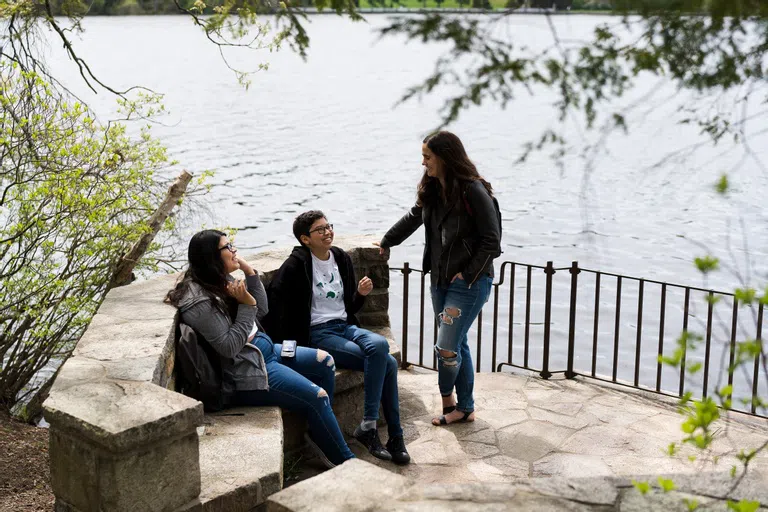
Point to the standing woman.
(462, 238)
(226, 312)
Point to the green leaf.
(694, 368)
(743, 505)
(643, 487)
(666, 485)
(707, 264)
(745, 295)
(691, 503)
(722, 184)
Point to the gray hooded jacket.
(242, 364)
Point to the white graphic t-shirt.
(327, 291)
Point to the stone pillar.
(123, 445)
(368, 262)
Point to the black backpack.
(198, 369)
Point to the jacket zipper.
(458, 229)
(478, 274)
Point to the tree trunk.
(123, 272)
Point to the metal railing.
(607, 291)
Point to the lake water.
(326, 134)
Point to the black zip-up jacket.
(455, 241)
(290, 295)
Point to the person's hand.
(246, 267)
(382, 250)
(365, 286)
(238, 291)
(457, 276)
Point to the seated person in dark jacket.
(226, 312)
(313, 298)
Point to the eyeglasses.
(322, 229)
(229, 247)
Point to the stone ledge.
(348, 488)
(241, 458)
(121, 415)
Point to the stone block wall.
(120, 438)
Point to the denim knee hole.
(446, 361)
(449, 314)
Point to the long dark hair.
(458, 168)
(206, 269)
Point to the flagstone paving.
(527, 427)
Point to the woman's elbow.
(226, 349)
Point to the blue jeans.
(354, 348)
(456, 307)
(303, 383)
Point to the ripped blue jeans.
(302, 383)
(456, 307)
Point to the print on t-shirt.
(328, 285)
(327, 291)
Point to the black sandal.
(449, 409)
(464, 419)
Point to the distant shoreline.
(395, 10)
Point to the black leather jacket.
(456, 241)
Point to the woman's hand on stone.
(238, 291)
(382, 250)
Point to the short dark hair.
(304, 221)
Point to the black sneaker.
(370, 439)
(396, 446)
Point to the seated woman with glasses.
(226, 312)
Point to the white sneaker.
(320, 455)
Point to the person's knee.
(449, 315)
(447, 354)
(447, 358)
(377, 346)
(325, 358)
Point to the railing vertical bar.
(639, 331)
(710, 308)
(527, 317)
(495, 326)
(595, 327)
(511, 313)
(685, 331)
(406, 272)
(734, 327)
(479, 339)
(550, 271)
(616, 330)
(574, 270)
(662, 315)
(421, 322)
(756, 374)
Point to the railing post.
(550, 270)
(406, 272)
(574, 270)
